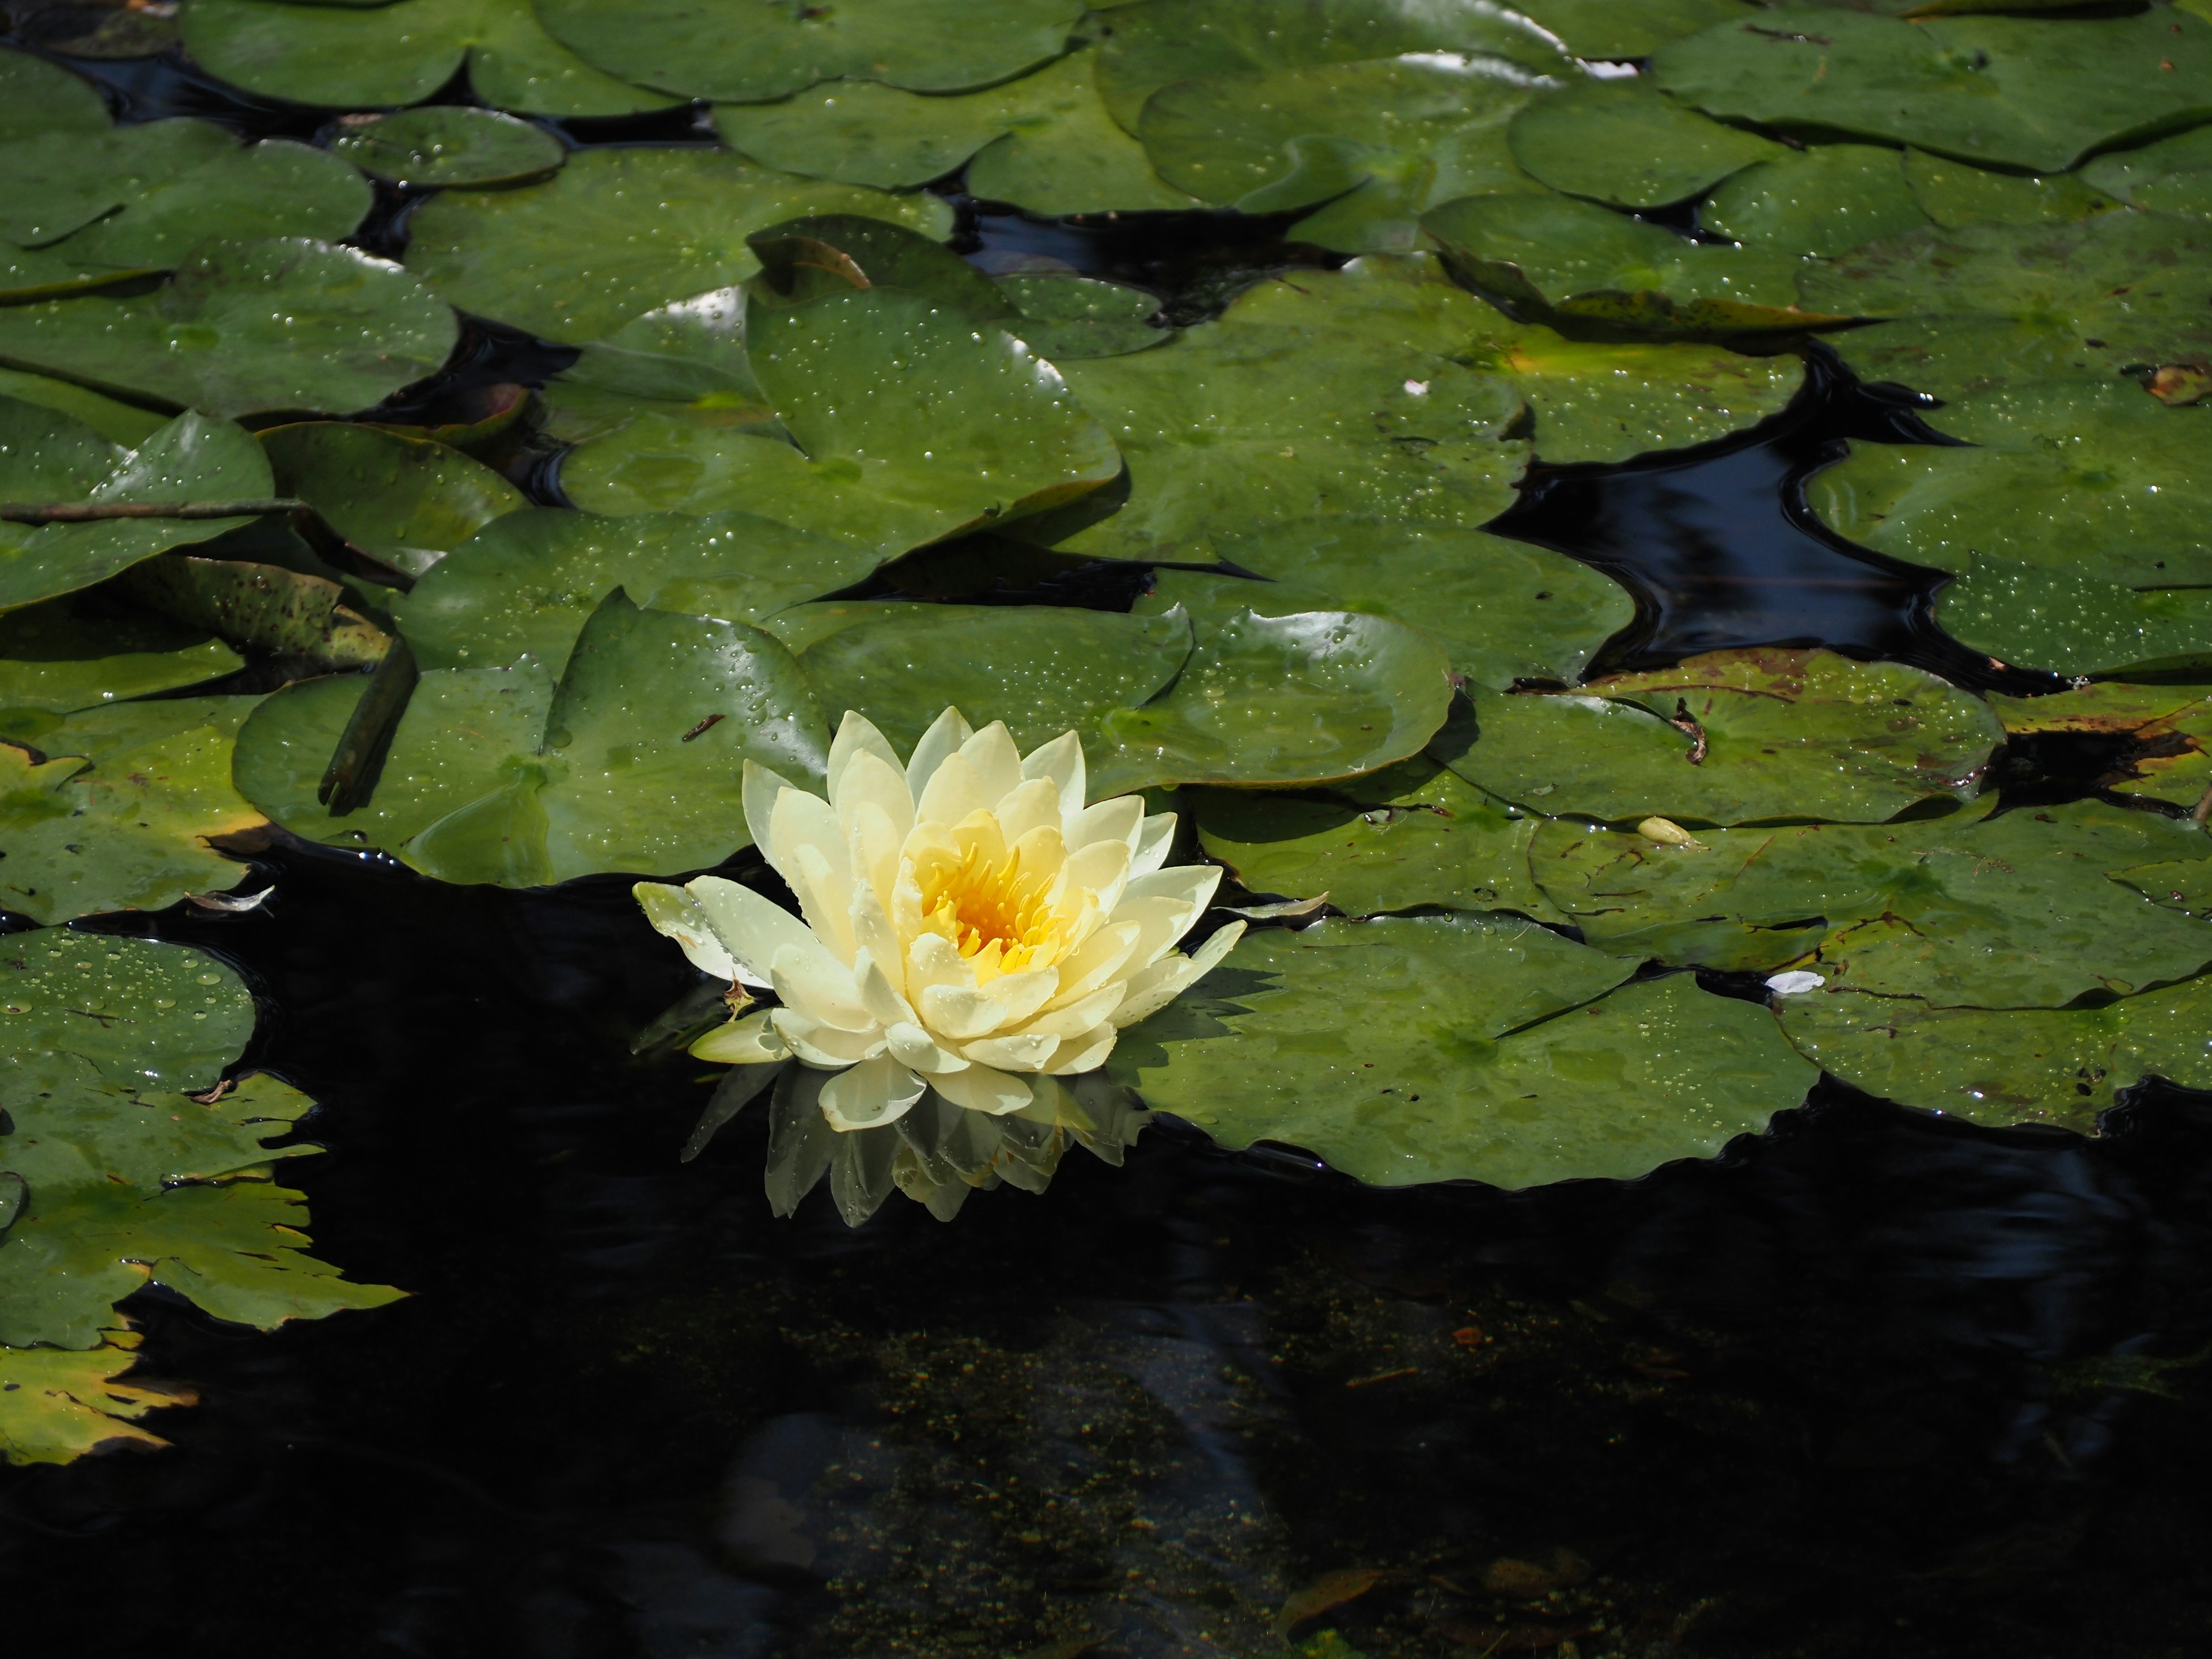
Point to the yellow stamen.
(996, 916)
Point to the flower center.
(994, 913)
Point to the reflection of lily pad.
(2032, 617)
(1825, 200)
(632, 761)
(2173, 175)
(450, 144)
(46, 457)
(404, 501)
(355, 56)
(244, 328)
(755, 53)
(2090, 479)
(618, 232)
(1623, 144)
(2173, 726)
(1735, 737)
(2009, 91)
(1409, 835)
(526, 584)
(1460, 1048)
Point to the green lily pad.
(449, 144)
(1042, 671)
(1952, 194)
(2058, 1065)
(1063, 317)
(2029, 616)
(973, 430)
(1554, 254)
(64, 655)
(1606, 29)
(131, 1181)
(685, 360)
(118, 422)
(1409, 836)
(224, 336)
(354, 56)
(1147, 47)
(2173, 175)
(2172, 724)
(48, 457)
(1063, 154)
(406, 502)
(633, 762)
(527, 583)
(120, 813)
(1623, 144)
(828, 255)
(39, 97)
(292, 614)
(1825, 200)
(2006, 91)
(1591, 401)
(1501, 1052)
(749, 54)
(1228, 427)
(1305, 698)
(1735, 737)
(1501, 611)
(620, 232)
(2080, 478)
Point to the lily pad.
(244, 328)
(449, 144)
(46, 457)
(1501, 611)
(2005, 91)
(2172, 726)
(1498, 1055)
(632, 761)
(2029, 616)
(1147, 47)
(1042, 671)
(1411, 835)
(1304, 698)
(2080, 478)
(1626, 144)
(1606, 29)
(118, 422)
(684, 361)
(1952, 194)
(39, 97)
(1825, 200)
(64, 655)
(57, 1404)
(1555, 254)
(2173, 175)
(406, 502)
(1063, 154)
(2058, 1065)
(1735, 737)
(527, 583)
(291, 614)
(753, 53)
(131, 1179)
(355, 56)
(1067, 317)
(619, 232)
(118, 814)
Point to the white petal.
(1193, 884)
(797, 820)
(1032, 805)
(761, 787)
(997, 763)
(877, 994)
(1160, 921)
(857, 736)
(959, 1011)
(983, 1089)
(874, 1092)
(1021, 994)
(825, 899)
(954, 791)
(871, 784)
(1119, 820)
(751, 928)
(874, 850)
(933, 960)
(874, 937)
(1026, 1053)
(825, 1046)
(945, 735)
(1163, 981)
(1102, 868)
(1061, 759)
(751, 1041)
(813, 983)
(1085, 1053)
(917, 1049)
(681, 917)
(1082, 1014)
(1100, 959)
(1154, 840)
(1797, 981)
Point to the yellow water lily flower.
(968, 922)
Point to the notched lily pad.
(2172, 726)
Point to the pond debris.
(1560, 1568)
(1331, 1589)
(1668, 833)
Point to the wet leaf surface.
(2064, 624)
(404, 501)
(1954, 194)
(1627, 145)
(1605, 29)
(2169, 175)
(56, 1404)
(1065, 317)
(450, 144)
(1822, 201)
(2169, 723)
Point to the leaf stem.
(89, 511)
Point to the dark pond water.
(1873, 1383)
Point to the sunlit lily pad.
(1064, 154)
(1952, 194)
(1734, 736)
(632, 761)
(118, 814)
(39, 97)
(49, 458)
(58, 1403)
(1606, 29)
(2173, 175)
(1042, 671)
(404, 501)
(526, 584)
(1825, 200)
(1628, 145)
(244, 328)
(2010, 91)
(752, 53)
(1555, 254)
(685, 360)
(1303, 698)
(355, 56)
(450, 144)
(619, 232)
(2087, 479)
(2030, 617)
(65, 655)
(1410, 834)
(2172, 725)
(1462, 1048)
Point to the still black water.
(1871, 1383)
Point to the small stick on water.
(91, 512)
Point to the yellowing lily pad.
(2171, 724)
(1460, 1048)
